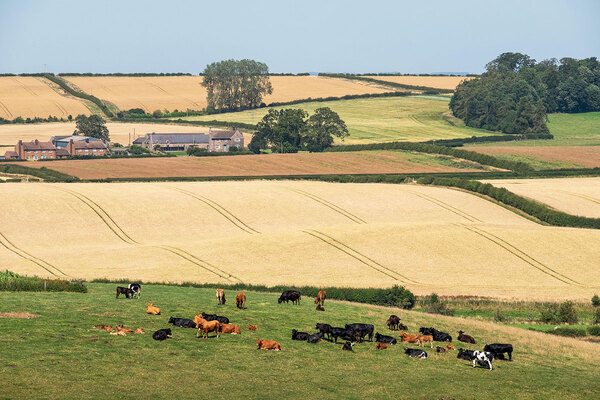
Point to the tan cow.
(320, 299)
(208, 326)
(152, 310)
(221, 296)
(240, 300)
(230, 328)
(409, 338)
(424, 339)
(268, 345)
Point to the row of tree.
(516, 92)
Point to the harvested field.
(579, 196)
(25, 97)
(187, 92)
(548, 156)
(291, 232)
(362, 162)
(437, 82)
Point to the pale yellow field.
(579, 196)
(361, 235)
(33, 97)
(186, 92)
(438, 82)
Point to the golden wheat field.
(187, 92)
(291, 232)
(438, 82)
(579, 196)
(34, 97)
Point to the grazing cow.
(348, 346)
(240, 300)
(439, 349)
(324, 329)
(438, 336)
(162, 334)
(320, 308)
(299, 335)
(315, 337)
(136, 289)
(498, 350)
(381, 346)
(409, 338)
(152, 310)
(392, 322)
(417, 353)
(290, 295)
(139, 330)
(214, 317)
(123, 290)
(182, 322)
(402, 327)
(320, 299)
(252, 327)
(221, 296)
(206, 327)
(385, 339)
(465, 338)
(344, 333)
(230, 328)
(268, 345)
(481, 358)
(449, 347)
(424, 339)
(363, 330)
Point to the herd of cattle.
(350, 333)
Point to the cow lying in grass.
(162, 334)
(252, 327)
(498, 350)
(438, 336)
(465, 338)
(315, 337)
(268, 345)
(214, 317)
(182, 322)
(381, 346)
(417, 353)
(230, 328)
(302, 336)
(152, 310)
(385, 339)
(348, 346)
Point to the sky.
(290, 36)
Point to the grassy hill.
(59, 355)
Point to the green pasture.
(59, 355)
(373, 120)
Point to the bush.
(549, 315)
(433, 305)
(135, 149)
(597, 316)
(498, 316)
(567, 313)
(9, 281)
(596, 301)
(593, 330)
(569, 332)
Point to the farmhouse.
(224, 140)
(173, 141)
(63, 141)
(36, 150)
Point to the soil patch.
(18, 315)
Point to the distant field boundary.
(425, 89)
(82, 95)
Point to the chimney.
(70, 147)
(19, 149)
(36, 141)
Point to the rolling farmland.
(34, 97)
(437, 82)
(375, 235)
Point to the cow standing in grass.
(221, 297)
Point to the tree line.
(515, 93)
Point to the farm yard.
(437, 82)
(358, 235)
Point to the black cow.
(136, 288)
(363, 330)
(348, 346)
(465, 354)
(438, 336)
(162, 334)
(290, 295)
(314, 338)
(498, 350)
(325, 329)
(344, 333)
(299, 335)
(126, 291)
(392, 322)
(402, 327)
(213, 317)
(418, 353)
(182, 322)
(385, 339)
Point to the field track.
(376, 235)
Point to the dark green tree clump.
(291, 130)
(92, 126)
(515, 93)
(236, 85)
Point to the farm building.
(224, 140)
(63, 141)
(36, 150)
(173, 141)
(86, 147)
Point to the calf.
(439, 349)
(206, 327)
(348, 346)
(221, 297)
(252, 327)
(139, 330)
(385, 339)
(268, 345)
(381, 346)
(465, 354)
(393, 322)
(344, 333)
(315, 338)
(214, 317)
(424, 339)
(418, 353)
(299, 335)
(481, 358)
(320, 299)
(409, 338)
(290, 295)
(123, 290)
(182, 322)
(498, 350)
(465, 338)
(136, 289)
(363, 329)
(324, 329)
(162, 334)
(240, 300)
(449, 347)
(402, 327)
(152, 310)
(230, 328)
(438, 336)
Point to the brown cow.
(252, 327)
(465, 338)
(449, 347)
(320, 307)
(425, 338)
(409, 338)
(119, 328)
(208, 326)
(118, 333)
(221, 296)
(230, 328)
(240, 300)
(381, 346)
(152, 310)
(103, 327)
(440, 349)
(321, 298)
(267, 345)
(139, 330)
(198, 318)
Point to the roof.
(139, 140)
(11, 154)
(72, 137)
(222, 134)
(62, 152)
(93, 144)
(176, 138)
(37, 145)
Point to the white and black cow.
(136, 288)
(481, 358)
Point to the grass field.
(33, 97)
(59, 355)
(187, 92)
(389, 119)
(579, 196)
(362, 162)
(547, 157)
(438, 82)
(305, 233)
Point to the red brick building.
(35, 150)
(87, 147)
(224, 140)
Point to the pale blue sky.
(290, 36)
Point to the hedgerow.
(47, 174)
(12, 282)
(426, 89)
(63, 84)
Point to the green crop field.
(59, 355)
(415, 118)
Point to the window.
(218, 146)
(35, 157)
(237, 139)
(44, 157)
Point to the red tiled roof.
(62, 152)
(94, 144)
(11, 154)
(222, 134)
(37, 145)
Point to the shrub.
(596, 301)
(433, 305)
(549, 315)
(593, 330)
(135, 149)
(597, 316)
(567, 313)
(9, 281)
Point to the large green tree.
(236, 85)
(320, 129)
(92, 126)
